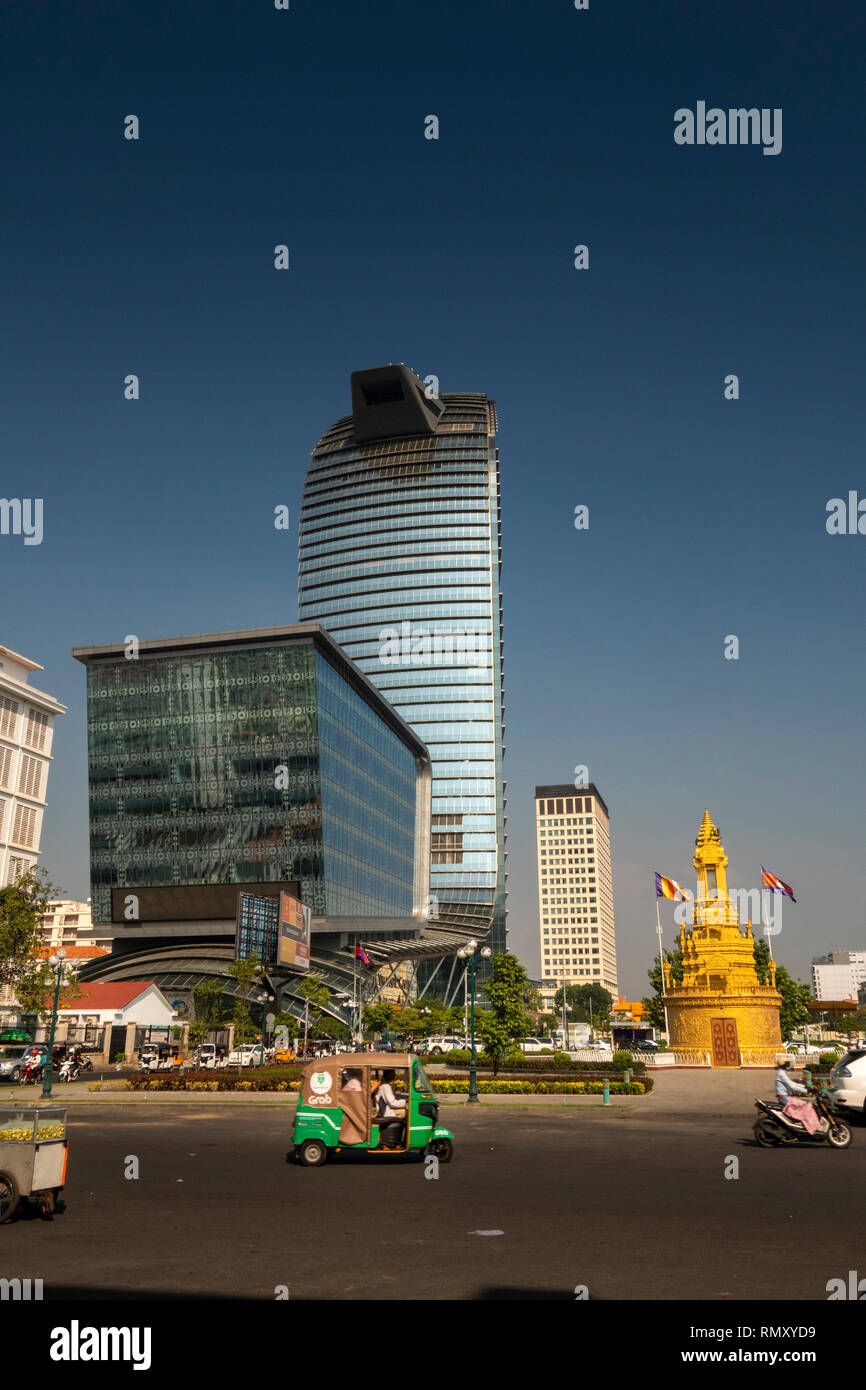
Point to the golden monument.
(721, 1008)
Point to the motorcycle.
(70, 1069)
(773, 1127)
(32, 1072)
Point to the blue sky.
(707, 516)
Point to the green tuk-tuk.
(375, 1102)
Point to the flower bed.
(557, 1062)
(460, 1086)
(268, 1079)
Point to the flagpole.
(662, 969)
(763, 918)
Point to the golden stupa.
(721, 1009)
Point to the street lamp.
(470, 953)
(266, 1008)
(58, 962)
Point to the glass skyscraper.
(399, 559)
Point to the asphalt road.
(630, 1206)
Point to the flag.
(669, 888)
(361, 955)
(775, 885)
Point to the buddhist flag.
(775, 885)
(669, 888)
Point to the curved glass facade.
(250, 764)
(399, 556)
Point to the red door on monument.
(726, 1050)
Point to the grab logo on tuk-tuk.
(320, 1084)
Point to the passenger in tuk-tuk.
(389, 1106)
(351, 1080)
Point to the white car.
(250, 1055)
(445, 1042)
(848, 1081)
(538, 1045)
(600, 1045)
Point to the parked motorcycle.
(773, 1127)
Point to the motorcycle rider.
(785, 1086)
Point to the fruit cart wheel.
(46, 1205)
(312, 1153)
(9, 1197)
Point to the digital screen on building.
(295, 925)
(258, 925)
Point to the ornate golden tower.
(721, 1008)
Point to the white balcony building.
(26, 734)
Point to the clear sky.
(707, 516)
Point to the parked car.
(645, 1045)
(599, 1045)
(250, 1055)
(444, 1042)
(13, 1060)
(538, 1044)
(848, 1081)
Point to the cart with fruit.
(33, 1153)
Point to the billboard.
(293, 949)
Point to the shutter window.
(30, 777)
(37, 729)
(24, 829)
(5, 766)
(8, 716)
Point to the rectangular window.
(559, 811)
(37, 729)
(24, 828)
(5, 767)
(30, 777)
(8, 717)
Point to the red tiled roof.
(76, 952)
(114, 994)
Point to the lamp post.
(57, 961)
(470, 953)
(266, 1008)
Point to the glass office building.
(399, 558)
(251, 758)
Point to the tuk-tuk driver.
(391, 1106)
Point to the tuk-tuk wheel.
(443, 1150)
(312, 1153)
(9, 1197)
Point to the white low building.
(120, 1002)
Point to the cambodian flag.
(776, 885)
(361, 954)
(669, 888)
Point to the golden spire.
(708, 833)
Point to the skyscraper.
(399, 558)
(575, 891)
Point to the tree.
(210, 1004)
(653, 1004)
(578, 999)
(29, 976)
(317, 995)
(378, 1017)
(198, 1031)
(508, 1024)
(795, 1011)
(247, 973)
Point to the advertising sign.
(294, 941)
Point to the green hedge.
(542, 1088)
(559, 1061)
(224, 1079)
